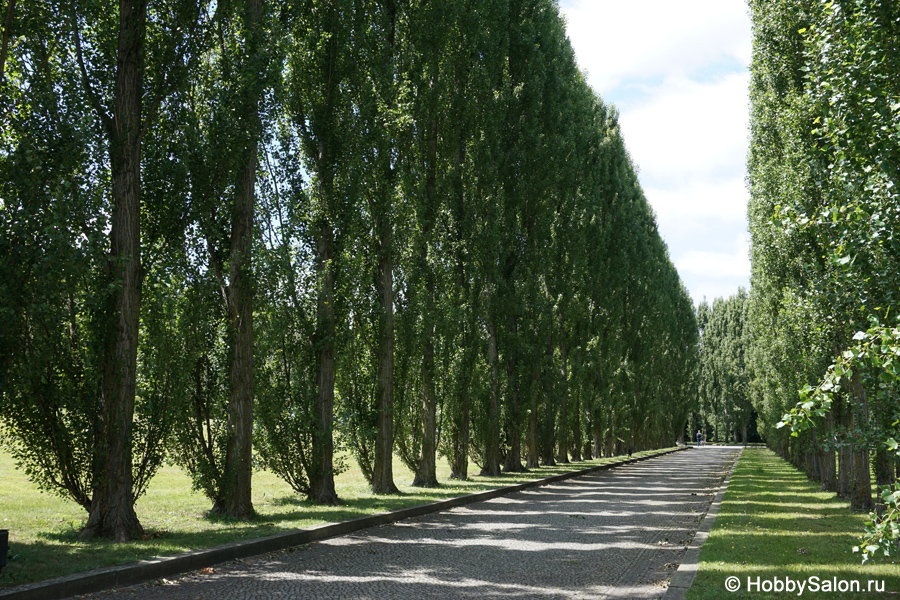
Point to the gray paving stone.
(614, 534)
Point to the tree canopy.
(242, 234)
(823, 175)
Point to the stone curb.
(683, 578)
(147, 570)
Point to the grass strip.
(774, 525)
(44, 529)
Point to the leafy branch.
(878, 351)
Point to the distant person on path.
(699, 437)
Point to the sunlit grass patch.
(776, 525)
(44, 529)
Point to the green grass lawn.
(774, 523)
(44, 529)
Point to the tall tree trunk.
(884, 467)
(844, 471)
(827, 458)
(578, 444)
(491, 466)
(637, 404)
(813, 462)
(610, 434)
(235, 500)
(563, 455)
(861, 482)
(459, 459)
(4, 42)
(112, 504)
(513, 462)
(716, 430)
(829, 471)
(548, 426)
(322, 478)
(460, 428)
(383, 476)
(884, 473)
(235, 493)
(426, 473)
(841, 417)
(532, 437)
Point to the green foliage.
(882, 531)
(824, 216)
(432, 183)
(724, 374)
(877, 351)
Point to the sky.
(678, 74)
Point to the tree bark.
(4, 44)
(548, 426)
(426, 473)
(513, 461)
(383, 473)
(563, 455)
(884, 467)
(861, 482)
(235, 494)
(611, 435)
(844, 469)
(578, 444)
(827, 458)
(829, 471)
(491, 466)
(382, 464)
(322, 478)
(112, 504)
(884, 474)
(459, 460)
(532, 438)
(460, 430)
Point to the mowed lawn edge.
(44, 529)
(774, 525)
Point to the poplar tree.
(320, 108)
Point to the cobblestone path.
(614, 534)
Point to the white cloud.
(687, 129)
(713, 274)
(615, 40)
(732, 264)
(675, 70)
(692, 205)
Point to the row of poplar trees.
(724, 411)
(246, 233)
(824, 175)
